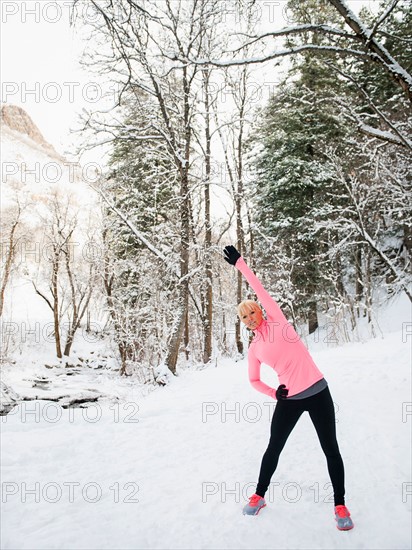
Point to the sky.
(41, 71)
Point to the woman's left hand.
(282, 392)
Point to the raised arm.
(272, 309)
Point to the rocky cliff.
(17, 119)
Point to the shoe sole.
(346, 528)
(253, 515)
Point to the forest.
(286, 136)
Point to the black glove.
(231, 254)
(282, 392)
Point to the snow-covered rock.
(8, 398)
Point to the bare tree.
(207, 294)
(238, 82)
(12, 231)
(70, 287)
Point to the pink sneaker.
(342, 516)
(256, 502)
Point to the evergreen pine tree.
(293, 172)
(142, 185)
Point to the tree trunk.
(173, 352)
(186, 336)
(176, 337)
(359, 287)
(76, 322)
(239, 196)
(239, 342)
(8, 265)
(108, 286)
(207, 345)
(56, 304)
(313, 317)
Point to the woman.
(302, 388)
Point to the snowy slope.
(173, 469)
(29, 167)
(46, 186)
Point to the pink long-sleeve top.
(277, 344)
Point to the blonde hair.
(246, 306)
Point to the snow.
(173, 469)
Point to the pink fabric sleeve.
(254, 376)
(271, 307)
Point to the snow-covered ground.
(174, 468)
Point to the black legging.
(286, 414)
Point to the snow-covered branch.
(382, 18)
(274, 55)
(398, 138)
(297, 29)
(397, 72)
(382, 135)
(373, 243)
(133, 228)
(359, 222)
(373, 50)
